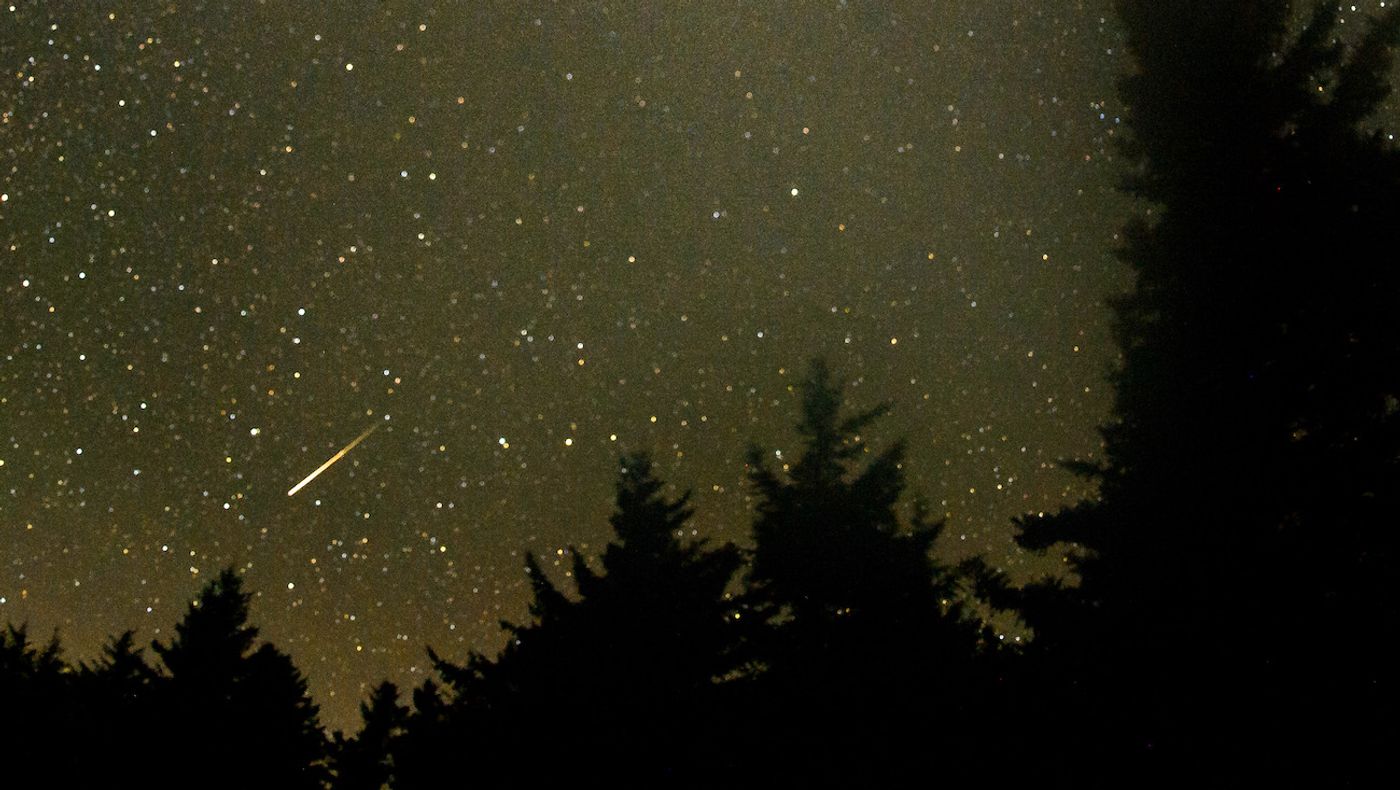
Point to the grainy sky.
(521, 239)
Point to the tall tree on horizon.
(862, 630)
(629, 663)
(236, 714)
(365, 761)
(1231, 593)
(116, 695)
(827, 534)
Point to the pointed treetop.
(214, 634)
(644, 521)
(830, 441)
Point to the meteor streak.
(339, 455)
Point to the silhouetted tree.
(827, 535)
(120, 676)
(37, 715)
(116, 695)
(864, 630)
(622, 675)
(236, 715)
(1232, 589)
(365, 761)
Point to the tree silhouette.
(863, 630)
(365, 762)
(1232, 590)
(37, 713)
(116, 695)
(236, 716)
(629, 664)
(828, 538)
(120, 676)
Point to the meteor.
(339, 455)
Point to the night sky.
(520, 239)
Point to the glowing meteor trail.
(339, 455)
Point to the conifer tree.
(864, 629)
(365, 761)
(828, 539)
(628, 664)
(37, 710)
(117, 695)
(1231, 574)
(237, 715)
(120, 674)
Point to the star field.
(520, 239)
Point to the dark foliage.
(365, 761)
(235, 715)
(36, 705)
(623, 674)
(1232, 595)
(118, 717)
(222, 714)
(865, 660)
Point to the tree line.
(843, 631)
(1229, 609)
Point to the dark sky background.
(520, 238)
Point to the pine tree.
(365, 762)
(828, 540)
(120, 675)
(237, 716)
(1231, 574)
(629, 663)
(117, 695)
(38, 715)
(864, 630)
